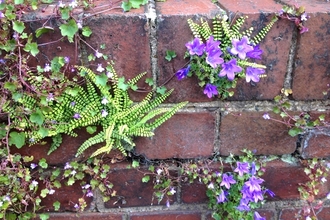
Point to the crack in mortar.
(292, 54)
(152, 24)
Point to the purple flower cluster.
(211, 52)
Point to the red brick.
(316, 144)
(68, 196)
(131, 191)
(288, 214)
(170, 215)
(173, 33)
(311, 70)
(194, 193)
(85, 216)
(126, 39)
(284, 179)
(268, 214)
(275, 47)
(185, 135)
(249, 130)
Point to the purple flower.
(253, 168)
(227, 180)
(210, 90)
(229, 69)
(195, 47)
(89, 193)
(212, 44)
(257, 216)
(213, 58)
(242, 167)
(243, 205)
(303, 29)
(271, 193)
(182, 73)
(254, 184)
(33, 165)
(168, 204)
(255, 53)
(241, 47)
(253, 74)
(76, 116)
(246, 194)
(257, 195)
(221, 197)
(66, 59)
(266, 116)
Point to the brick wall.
(137, 42)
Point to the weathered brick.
(287, 214)
(268, 214)
(312, 69)
(315, 142)
(85, 216)
(194, 193)
(68, 196)
(64, 153)
(126, 40)
(173, 33)
(170, 215)
(249, 130)
(284, 179)
(130, 190)
(275, 46)
(185, 135)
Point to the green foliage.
(170, 54)
(98, 104)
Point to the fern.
(82, 105)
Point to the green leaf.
(69, 29)
(135, 164)
(134, 87)
(170, 54)
(149, 81)
(295, 131)
(138, 3)
(10, 86)
(86, 31)
(17, 139)
(122, 85)
(126, 6)
(47, 1)
(44, 193)
(43, 163)
(18, 26)
(145, 179)
(42, 30)
(17, 2)
(91, 129)
(43, 132)
(31, 48)
(37, 117)
(161, 90)
(101, 79)
(57, 205)
(71, 181)
(65, 13)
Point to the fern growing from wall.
(102, 103)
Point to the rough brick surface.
(289, 213)
(173, 33)
(183, 215)
(183, 136)
(275, 47)
(249, 130)
(131, 191)
(85, 216)
(68, 196)
(312, 69)
(194, 193)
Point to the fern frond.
(262, 34)
(195, 29)
(56, 142)
(98, 138)
(166, 115)
(246, 63)
(105, 149)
